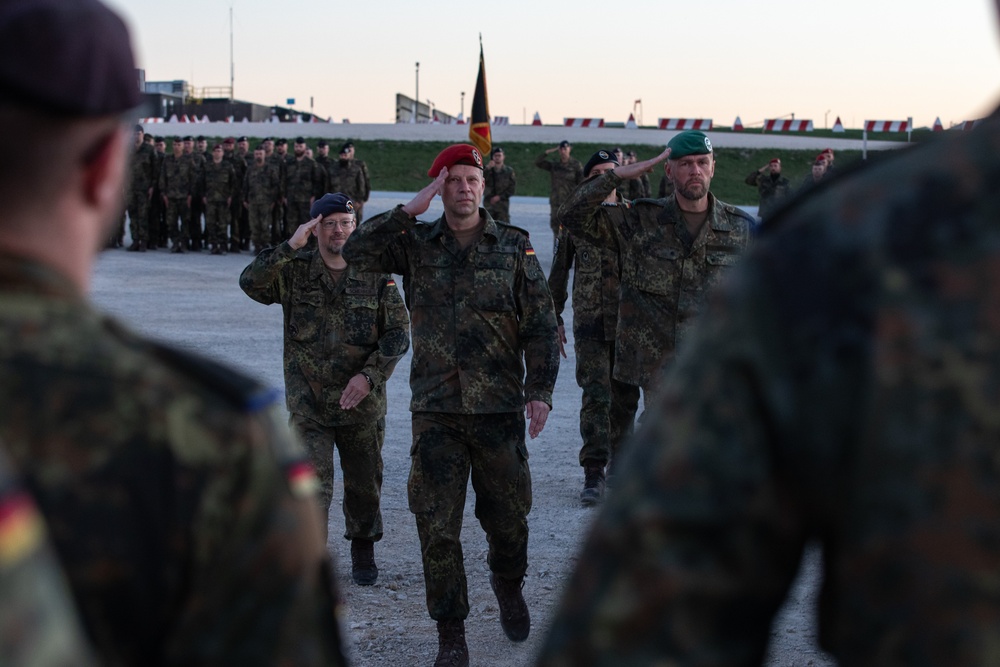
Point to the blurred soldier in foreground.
(344, 333)
(608, 407)
(484, 353)
(39, 625)
(843, 387)
(501, 182)
(180, 507)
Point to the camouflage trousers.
(607, 411)
(554, 218)
(360, 449)
(260, 223)
(137, 205)
(298, 214)
(216, 222)
(500, 210)
(178, 210)
(446, 447)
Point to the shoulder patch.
(242, 391)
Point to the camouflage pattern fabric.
(305, 181)
(170, 485)
(446, 449)
(39, 626)
(177, 177)
(501, 352)
(665, 273)
(142, 175)
(503, 183)
(638, 188)
(772, 191)
(197, 207)
(219, 186)
(178, 218)
(360, 448)
(262, 188)
(666, 187)
(608, 407)
(565, 177)
(236, 207)
(351, 178)
(842, 388)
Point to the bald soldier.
(183, 512)
(484, 354)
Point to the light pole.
(416, 96)
(826, 120)
(461, 108)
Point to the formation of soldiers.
(229, 198)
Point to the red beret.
(773, 160)
(456, 154)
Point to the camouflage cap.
(330, 203)
(687, 143)
(600, 157)
(71, 58)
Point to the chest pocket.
(432, 278)
(305, 316)
(494, 279)
(658, 268)
(361, 315)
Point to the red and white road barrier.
(737, 125)
(147, 121)
(967, 125)
(937, 127)
(787, 125)
(501, 120)
(685, 124)
(838, 126)
(537, 120)
(887, 126)
(630, 124)
(583, 122)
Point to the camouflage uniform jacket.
(665, 273)
(170, 483)
(262, 182)
(218, 181)
(39, 625)
(199, 161)
(843, 388)
(596, 276)
(565, 177)
(240, 168)
(638, 188)
(502, 182)
(347, 176)
(772, 190)
(177, 176)
(484, 333)
(142, 168)
(280, 164)
(304, 179)
(332, 331)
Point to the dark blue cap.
(330, 203)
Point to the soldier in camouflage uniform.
(158, 236)
(484, 351)
(772, 187)
(323, 160)
(566, 173)
(182, 510)
(638, 188)
(244, 153)
(608, 408)
(501, 182)
(140, 190)
(236, 207)
(344, 333)
(39, 625)
(350, 176)
(219, 184)
(304, 183)
(177, 183)
(842, 388)
(261, 188)
(673, 251)
(280, 159)
(197, 208)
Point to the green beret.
(687, 143)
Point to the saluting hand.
(422, 200)
(301, 235)
(637, 169)
(355, 391)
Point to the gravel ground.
(194, 301)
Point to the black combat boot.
(514, 617)
(593, 483)
(452, 650)
(363, 568)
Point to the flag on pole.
(479, 121)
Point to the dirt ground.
(194, 301)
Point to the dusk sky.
(856, 59)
